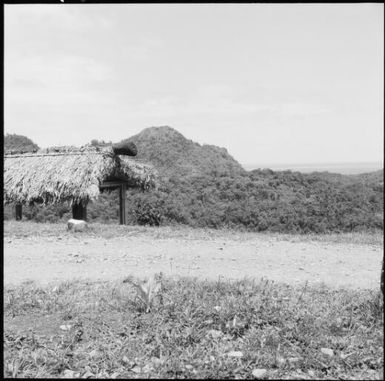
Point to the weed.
(198, 329)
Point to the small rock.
(136, 369)
(188, 366)
(157, 361)
(259, 373)
(215, 334)
(293, 360)
(327, 351)
(94, 353)
(88, 374)
(238, 354)
(69, 374)
(76, 225)
(115, 375)
(65, 327)
(147, 368)
(217, 308)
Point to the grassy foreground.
(192, 329)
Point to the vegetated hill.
(203, 186)
(19, 143)
(174, 155)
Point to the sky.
(272, 83)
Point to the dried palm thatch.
(68, 174)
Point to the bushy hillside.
(203, 186)
(174, 155)
(19, 143)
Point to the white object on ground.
(76, 225)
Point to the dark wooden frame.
(79, 211)
(122, 185)
(18, 212)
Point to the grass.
(193, 329)
(23, 229)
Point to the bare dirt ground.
(47, 253)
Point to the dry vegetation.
(20, 229)
(68, 175)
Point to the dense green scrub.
(260, 200)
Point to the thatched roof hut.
(69, 174)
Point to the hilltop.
(174, 155)
(19, 143)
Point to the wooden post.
(79, 212)
(122, 204)
(18, 212)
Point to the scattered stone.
(147, 368)
(157, 361)
(215, 334)
(293, 360)
(94, 353)
(327, 351)
(76, 225)
(88, 374)
(136, 369)
(70, 374)
(259, 373)
(238, 354)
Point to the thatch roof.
(68, 174)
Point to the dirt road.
(50, 258)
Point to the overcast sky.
(273, 83)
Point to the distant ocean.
(343, 168)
